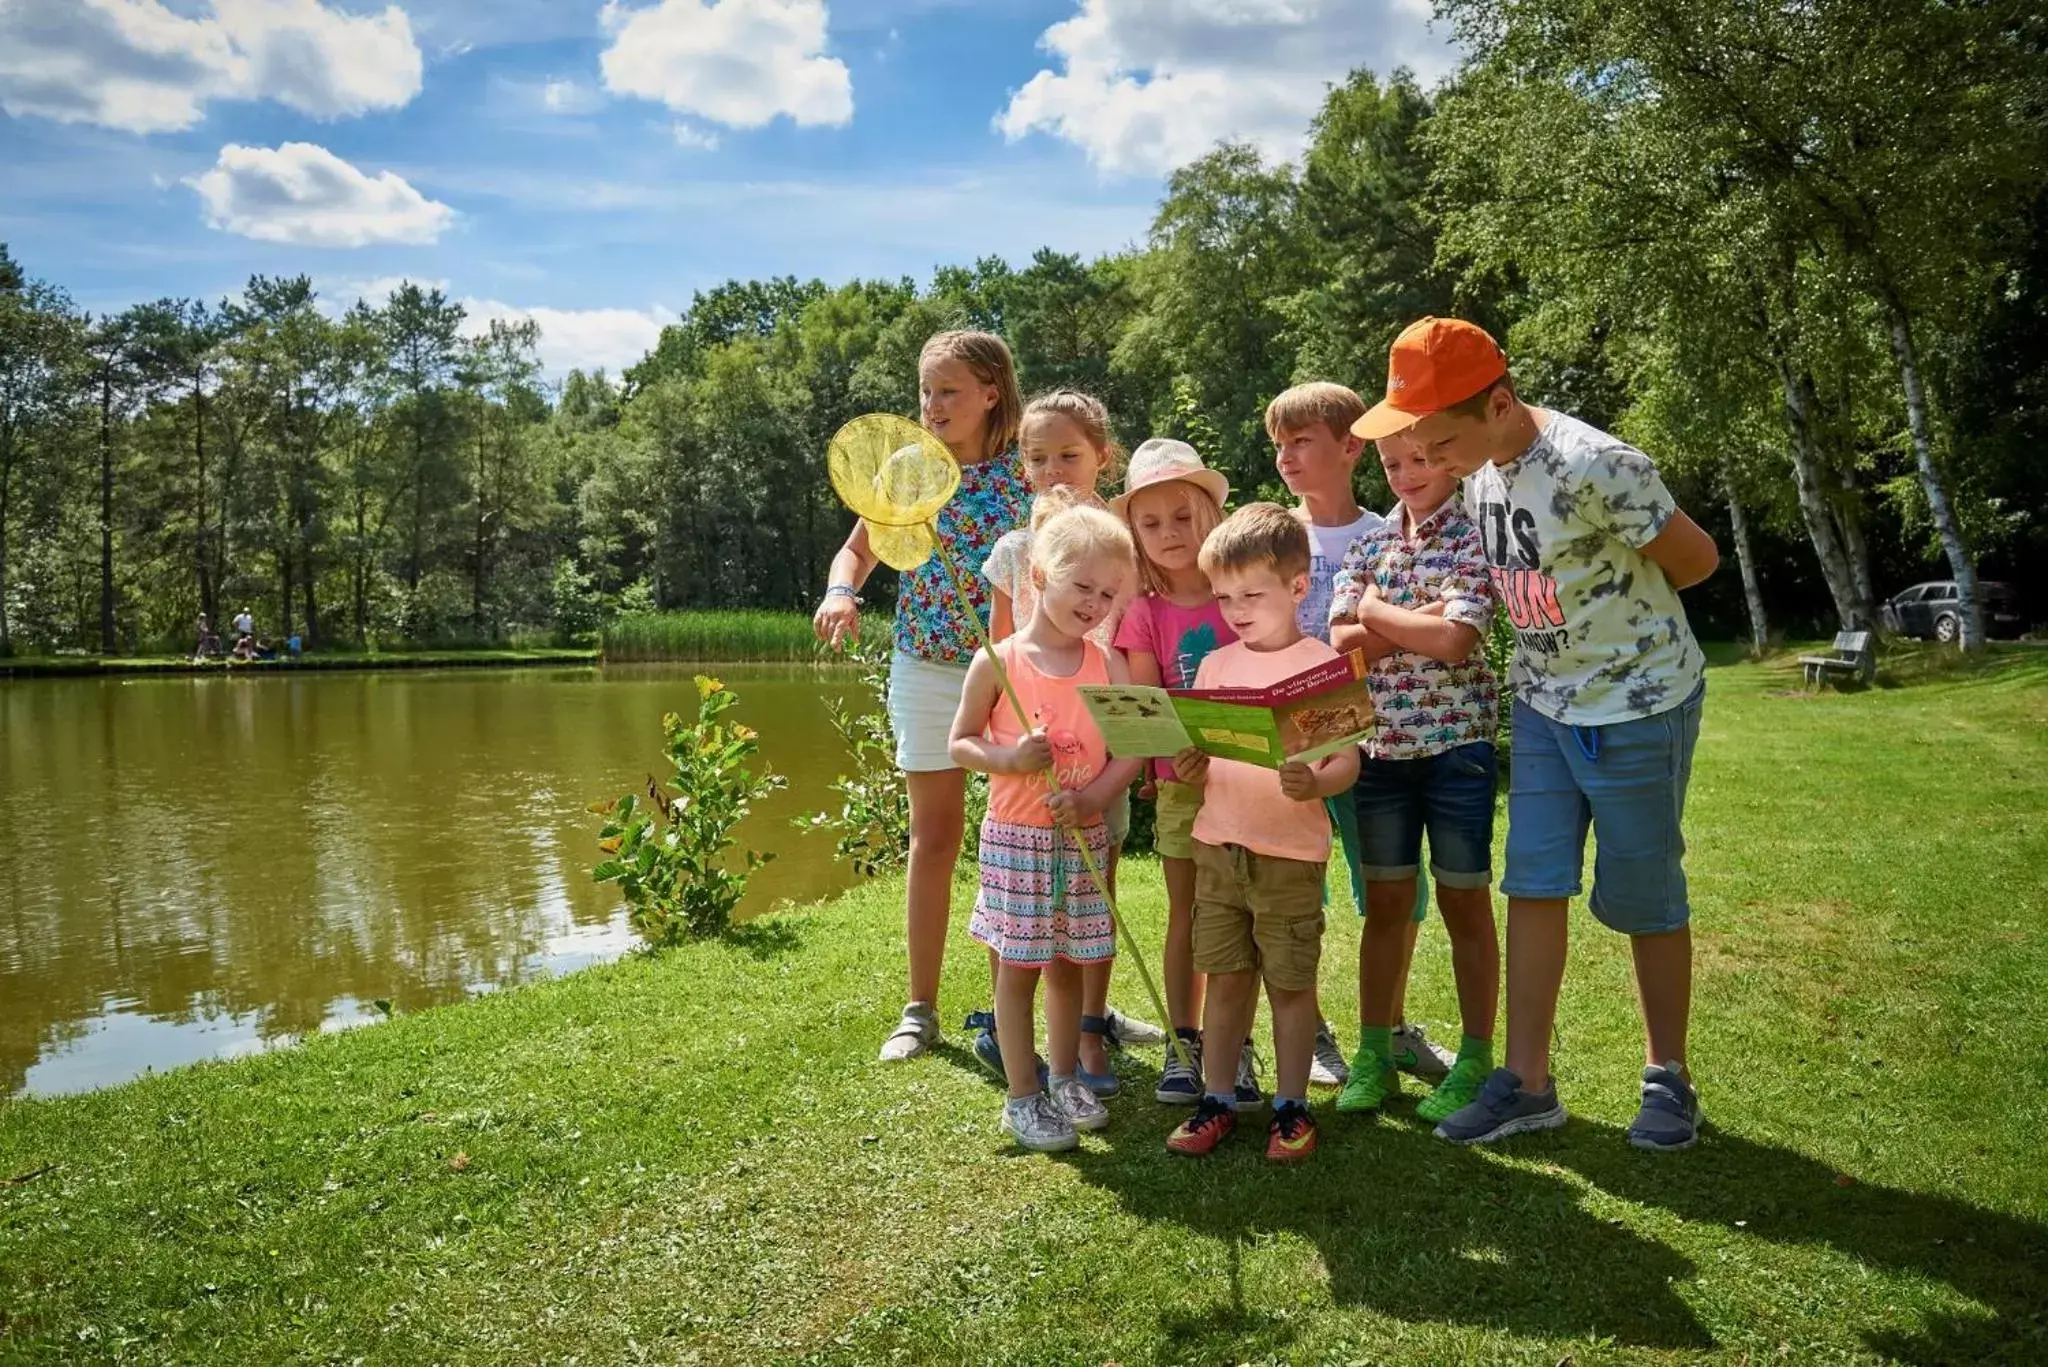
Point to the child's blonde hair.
(1257, 534)
(1067, 533)
(1319, 401)
(1089, 414)
(1205, 516)
(987, 358)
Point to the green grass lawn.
(696, 1159)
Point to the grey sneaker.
(1129, 1030)
(1328, 1068)
(1076, 1101)
(1502, 1109)
(1417, 1055)
(1036, 1124)
(915, 1034)
(1670, 1114)
(1249, 1097)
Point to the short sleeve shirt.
(1179, 638)
(1243, 804)
(1423, 705)
(931, 621)
(1327, 547)
(1600, 635)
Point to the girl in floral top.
(968, 398)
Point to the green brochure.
(1312, 714)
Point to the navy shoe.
(1180, 1085)
(1502, 1109)
(983, 1024)
(1102, 1084)
(1669, 1118)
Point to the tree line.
(1798, 253)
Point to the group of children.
(1567, 529)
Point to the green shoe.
(1459, 1089)
(1373, 1080)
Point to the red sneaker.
(1292, 1135)
(1200, 1133)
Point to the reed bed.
(718, 636)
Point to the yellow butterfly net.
(896, 476)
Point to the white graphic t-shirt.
(1600, 635)
(1327, 547)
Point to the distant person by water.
(245, 624)
(208, 646)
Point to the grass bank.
(695, 1159)
(736, 635)
(49, 666)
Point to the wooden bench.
(1853, 657)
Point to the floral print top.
(931, 621)
(1425, 706)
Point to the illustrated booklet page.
(1304, 717)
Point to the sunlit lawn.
(696, 1159)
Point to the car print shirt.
(1425, 706)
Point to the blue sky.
(593, 165)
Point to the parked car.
(1930, 611)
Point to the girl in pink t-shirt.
(1038, 909)
(1172, 502)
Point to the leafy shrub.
(872, 824)
(669, 859)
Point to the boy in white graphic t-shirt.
(1587, 552)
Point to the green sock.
(1479, 1049)
(1379, 1039)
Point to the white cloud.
(578, 339)
(338, 296)
(302, 193)
(696, 139)
(1147, 85)
(735, 62)
(139, 66)
(568, 97)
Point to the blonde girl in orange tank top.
(1038, 909)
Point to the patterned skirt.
(1037, 902)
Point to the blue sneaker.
(1180, 1085)
(983, 1024)
(1670, 1114)
(1502, 1109)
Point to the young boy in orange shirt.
(1261, 842)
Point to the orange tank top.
(1078, 753)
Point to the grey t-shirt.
(1600, 635)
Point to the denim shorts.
(1449, 795)
(1343, 810)
(1626, 782)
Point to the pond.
(196, 867)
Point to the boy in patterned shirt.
(1587, 552)
(1415, 596)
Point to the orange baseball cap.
(1434, 363)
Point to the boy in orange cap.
(1587, 551)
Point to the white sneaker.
(1419, 1056)
(1036, 1124)
(1249, 1097)
(1327, 1068)
(1130, 1030)
(1078, 1104)
(914, 1034)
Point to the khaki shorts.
(1258, 914)
(1173, 824)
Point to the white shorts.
(923, 699)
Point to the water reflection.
(193, 867)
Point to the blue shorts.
(1449, 795)
(1626, 781)
(1343, 810)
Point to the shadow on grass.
(1998, 1260)
(1416, 1229)
(1406, 1226)
(768, 938)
